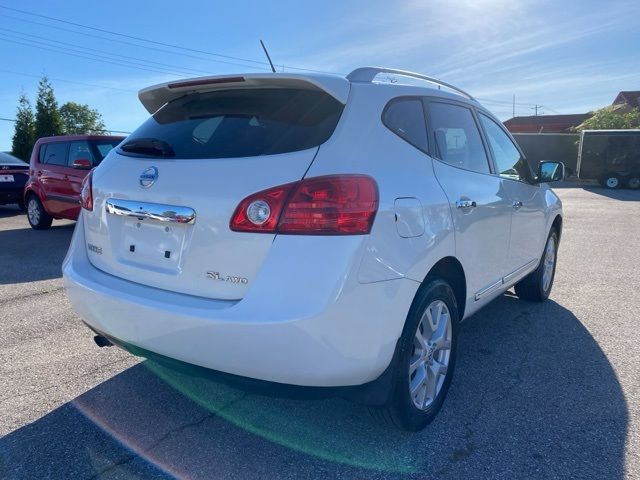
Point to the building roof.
(629, 97)
(546, 123)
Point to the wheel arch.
(451, 271)
(557, 224)
(32, 190)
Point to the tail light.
(329, 205)
(86, 193)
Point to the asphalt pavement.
(546, 390)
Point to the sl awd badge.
(226, 278)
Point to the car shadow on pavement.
(7, 211)
(533, 396)
(34, 254)
(624, 195)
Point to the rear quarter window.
(54, 153)
(405, 118)
(237, 123)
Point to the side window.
(457, 138)
(510, 163)
(405, 118)
(80, 150)
(55, 154)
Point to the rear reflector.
(329, 205)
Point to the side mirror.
(550, 172)
(82, 164)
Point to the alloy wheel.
(33, 211)
(549, 263)
(431, 354)
(613, 182)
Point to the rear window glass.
(236, 123)
(55, 154)
(103, 147)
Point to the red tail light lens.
(86, 193)
(243, 221)
(330, 205)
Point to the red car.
(58, 166)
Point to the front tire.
(38, 218)
(611, 181)
(536, 286)
(425, 360)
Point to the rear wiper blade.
(149, 146)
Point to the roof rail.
(367, 74)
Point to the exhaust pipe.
(102, 341)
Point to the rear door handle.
(517, 205)
(465, 204)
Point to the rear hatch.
(199, 156)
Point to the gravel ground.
(541, 390)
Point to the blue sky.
(570, 56)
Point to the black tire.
(633, 182)
(532, 287)
(401, 411)
(611, 181)
(39, 219)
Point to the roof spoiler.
(156, 96)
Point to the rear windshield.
(236, 123)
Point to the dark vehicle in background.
(13, 177)
(538, 147)
(57, 168)
(610, 156)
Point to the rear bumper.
(11, 194)
(336, 333)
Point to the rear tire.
(425, 359)
(633, 182)
(536, 286)
(38, 218)
(611, 181)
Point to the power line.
(124, 35)
(91, 58)
(11, 72)
(47, 42)
(154, 42)
(123, 42)
(8, 119)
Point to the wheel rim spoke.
(549, 264)
(417, 362)
(429, 361)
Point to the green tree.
(79, 119)
(48, 121)
(24, 134)
(612, 117)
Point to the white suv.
(312, 230)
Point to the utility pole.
(536, 108)
(514, 105)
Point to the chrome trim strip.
(519, 271)
(151, 211)
(487, 290)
